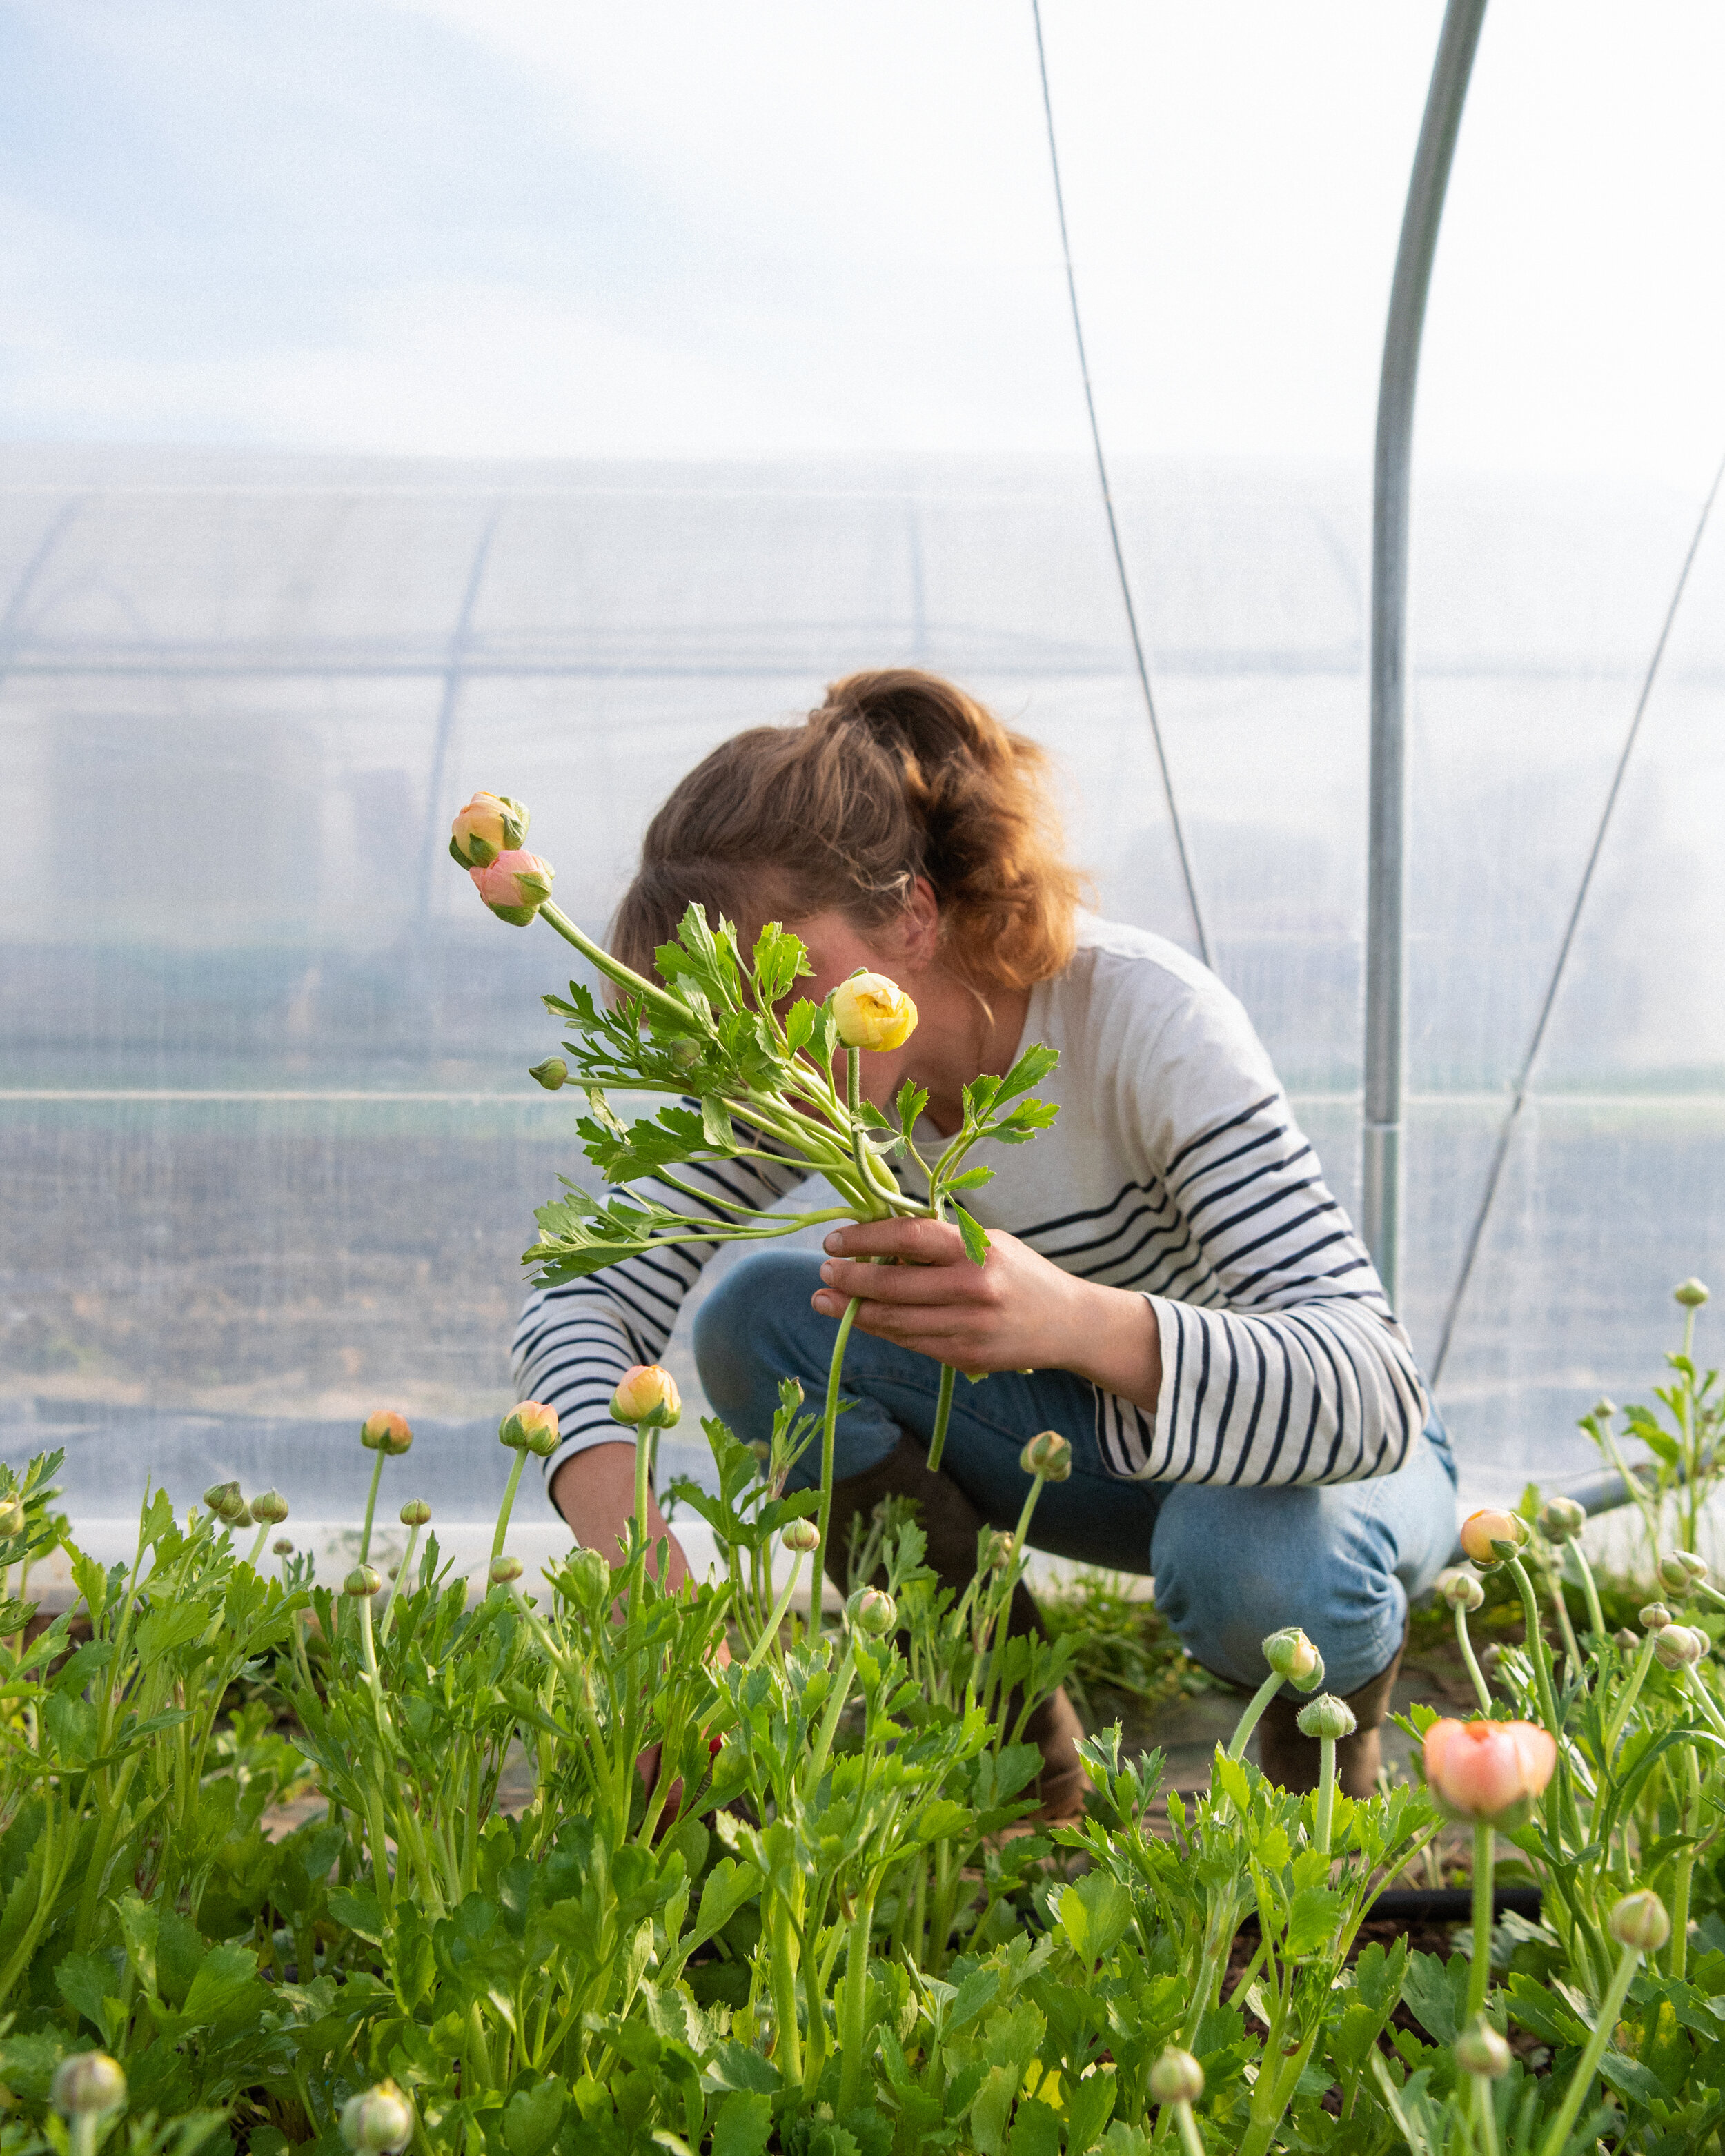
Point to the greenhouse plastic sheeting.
(270, 1152)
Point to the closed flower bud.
(88, 2082)
(1639, 1920)
(1676, 1647)
(1292, 1655)
(1627, 1639)
(1487, 1770)
(1327, 1717)
(646, 1397)
(1691, 1293)
(529, 1427)
(686, 1054)
(363, 1581)
(1605, 1410)
(1481, 1531)
(1459, 1588)
(872, 1612)
(12, 1518)
(553, 1074)
(415, 1513)
(1481, 2051)
(1175, 2077)
(1561, 1519)
(996, 1548)
(282, 1546)
(489, 825)
(1674, 1575)
(380, 2123)
(1048, 1455)
(515, 886)
(1655, 1617)
(801, 1536)
(386, 1432)
(271, 1507)
(872, 1012)
(504, 1570)
(222, 1498)
(1695, 1566)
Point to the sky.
(548, 227)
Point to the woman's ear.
(919, 926)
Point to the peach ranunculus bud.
(872, 1012)
(647, 1397)
(385, 1431)
(1488, 1770)
(529, 1427)
(491, 824)
(1292, 1655)
(514, 886)
(1481, 1530)
(801, 1536)
(1049, 1455)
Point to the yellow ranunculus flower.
(872, 1012)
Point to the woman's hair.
(897, 775)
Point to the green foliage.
(1122, 1650)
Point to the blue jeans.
(1230, 1565)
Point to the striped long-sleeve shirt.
(1174, 1170)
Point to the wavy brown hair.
(897, 775)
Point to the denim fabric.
(1230, 1565)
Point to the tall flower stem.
(402, 1579)
(828, 1431)
(1684, 1870)
(1254, 1714)
(1479, 1979)
(769, 1631)
(1630, 1690)
(1538, 1653)
(1482, 1691)
(1326, 1792)
(942, 1415)
(507, 1506)
(365, 1539)
(1581, 2081)
(1595, 1616)
(1572, 1646)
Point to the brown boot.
(1290, 1760)
(951, 1524)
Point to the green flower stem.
(1191, 2140)
(1572, 1646)
(1482, 1691)
(507, 1506)
(257, 1548)
(1595, 1616)
(1705, 1587)
(942, 1413)
(1326, 1792)
(1581, 2081)
(781, 1967)
(1254, 1714)
(853, 2004)
(81, 2134)
(365, 1539)
(1485, 2112)
(619, 975)
(1684, 1870)
(1614, 1728)
(770, 1630)
(1696, 1691)
(1479, 1979)
(1538, 1652)
(829, 1430)
(401, 1579)
(830, 1720)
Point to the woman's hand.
(1016, 1311)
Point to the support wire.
(1095, 435)
(1523, 1078)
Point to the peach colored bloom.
(529, 1427)
(1480, 1530)
(1483, 1770)
(514, 886)
(872, 1012)
(489, 825)
(647, 1395)
(385, 1431)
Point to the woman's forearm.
(1116, 1343)
(595, 1492)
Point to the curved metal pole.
(1386, 876)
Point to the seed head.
(1639, 1920)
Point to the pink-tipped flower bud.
(529, 1427)
(1459, 1588)
(869, 1011)
(1640, 1921)
(553, 1074)
(1049, 1455)
(1678, 1647)
(646, 1397)
(362, 1582)
(504, 1571)
(489, 825)
(801, 1536)
(271, 1507)
(379, 2123)
(1691, 1293)
(386, 1432)
(282, 1546)
(872, 1612)
(515, 886)
(1487, 1770)
(415, 1513)
(1483, 1532)
(1292, 1655)
(1327, 1717)
(1175, 2077)
(1561, 1519)
(1481, 2052)
(87, 2082)
(1655, 1617)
